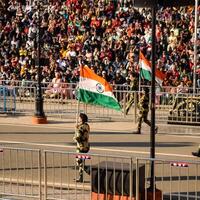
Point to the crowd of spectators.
(106, 35)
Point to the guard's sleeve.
(78, 134)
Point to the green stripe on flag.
(98, 99)
(145, 74)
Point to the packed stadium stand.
(106, 35)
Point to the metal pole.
(39, 99)
(152, 139)
(195, 46)
(137, 179)
(45, 175)
(40, 174)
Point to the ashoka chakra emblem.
(99, 88)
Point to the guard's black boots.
(196, 153)
(138, 131)
(156, 130)
(80, 179)
(87, 169)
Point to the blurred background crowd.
(106, 35)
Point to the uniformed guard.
(133, 88)
(196, 153)
(144, 110)
(81, 138)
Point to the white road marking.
(185, 136)
(35, 126)
(97, 149)
(71, 128)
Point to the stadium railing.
(63, 102)
(173, 179)
(49, 175)
(20, 170)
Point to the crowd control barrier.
(7, 99)
(172, 179)
(49, 175)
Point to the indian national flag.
(93, 89)
(145, 70)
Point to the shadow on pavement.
(138, 144)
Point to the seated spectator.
(54, 89)
(182, 88)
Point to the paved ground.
(107, 138)
(175, 141)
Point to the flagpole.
(139, 76)
(152, 135)
(77, 111)
(195, 47)
(139, 83)
(78, 104)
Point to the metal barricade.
(64, 103)
(181, 108)
(173, 179)
(20, 170)
(7, 99)
(2, 99)
(105, 177)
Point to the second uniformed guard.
(133, 87)
(81, 138)
(144, 110)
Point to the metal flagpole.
(139, 76)
(77, 111)
(195, 46)
(139, 81)
(78, 104)
(152, 135)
